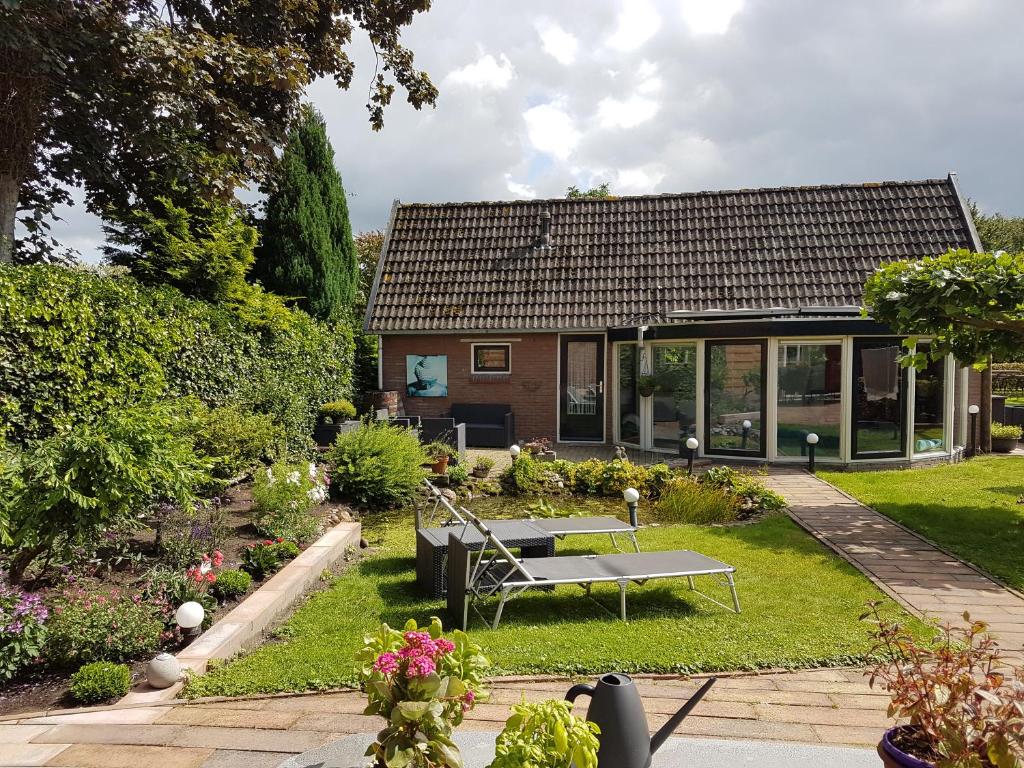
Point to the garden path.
(825, 706)
(925, 579)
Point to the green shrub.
(377, 464)
(283, 496)
(234, 440)
(588, 476)
(546, 734)
(752, 497)
(185, 534)
(100, 681)
(67, 488)
(620, 474)
(231, 584)
(88, 625)
(685, 500)
(22, 629)
(438, 450)
(338, 410)
(168, 588)
(266, 557)
(484, 463)
(1005, 431)
(523, 475)
(458, 475)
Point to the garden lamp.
(632, 496)
(974, 410)
(812, 440)
(693, 444)
(746, 432)
(190, 616)
(514, 451)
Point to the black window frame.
(762, 452)
(507, 370)
(904, 381)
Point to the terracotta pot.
(893, 757)
(440, 465)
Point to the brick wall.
(530, 389)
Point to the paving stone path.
(925, 579)
(834, 707)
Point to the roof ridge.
(676, 195)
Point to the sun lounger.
(493, 571)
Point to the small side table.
(432, 548)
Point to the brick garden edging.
(250, 618)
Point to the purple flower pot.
(894, 756)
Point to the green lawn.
(800, 608)
(969, 508)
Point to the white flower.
(270, 475)
(317, 495)
(312, 470)
(294, 478)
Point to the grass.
(801, 607)
(970, 508)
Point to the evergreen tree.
(306, 250)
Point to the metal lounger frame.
(483, 564)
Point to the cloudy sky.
(685, 95)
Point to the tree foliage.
(971, 304)
(998, 232)
(113, 94)
(307, 249)
(600, 192)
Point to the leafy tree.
(307, 249)
(998, 232)
(364, 373)
(112, 94)
(600, 192)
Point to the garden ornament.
(616, 708)
(163, 671)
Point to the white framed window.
(490, 359)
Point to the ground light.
(632, 496)
(812, 441)
(692, 443)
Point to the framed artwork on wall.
(426, 375)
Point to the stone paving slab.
(928, 581)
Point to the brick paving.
(831, 706)
(926, 580)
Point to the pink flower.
(444, 646)
(420, 666)
(386, 664)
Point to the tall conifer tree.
(306, 250)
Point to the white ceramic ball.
(163, 671)
(190, 615)
(631, 495)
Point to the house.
(732, 317)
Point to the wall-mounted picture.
(426, 375)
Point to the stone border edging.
(250, 618)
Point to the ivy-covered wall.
(75, 343)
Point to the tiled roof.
(482, 266)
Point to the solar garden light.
(812, 440)
(190, 616)
(974, 410)
(632, 496)
(692, 443)
(746, 432)
(514, 451)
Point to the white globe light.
(631, 495)
(812, 439)
(190, 615)
(746, 424)
(514, 450)
(973, 410)
(692, 443)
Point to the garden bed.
(127, 560)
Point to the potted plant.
(329, 420)
(964, 706)
(422, 684)
(541, 448)
(483, 466)
(546, 734)
(1004, 437)
(646, 385)
(440, 454)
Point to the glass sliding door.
(674, 402)
(930, 406)
(734, 383)
(809, 398)
(879, 403)
(629, 398)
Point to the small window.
(492, 358)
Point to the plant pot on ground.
(329, 420)
(1004, 437)
(964, 705)
(483, 466)
(440, 455)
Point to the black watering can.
(616, 708)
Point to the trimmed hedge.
(75, 343)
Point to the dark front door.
(581, 388)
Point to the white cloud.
(556, 42)
(709, 17)
(637, 181)
(550, 129)
(484, 73)
(638, 21)
(625, 113)
(519, 189)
